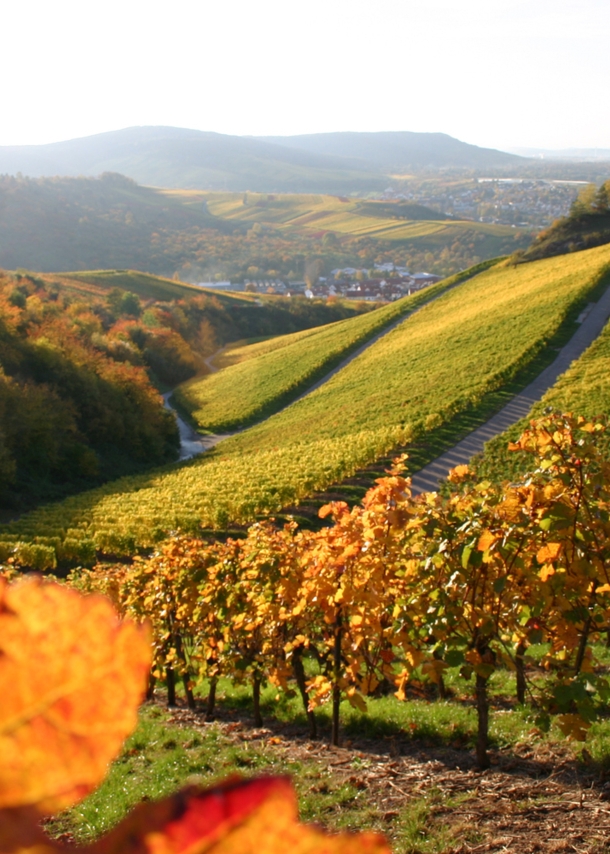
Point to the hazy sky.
(498, 73)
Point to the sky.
(497, 73)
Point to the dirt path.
(209, 360)
(536, 797)
(593, 320)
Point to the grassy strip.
(149, 286)
(279, 371)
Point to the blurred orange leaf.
(72, 677)
(238, 817)
(458, 473)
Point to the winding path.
(592, 321)
(193, 443)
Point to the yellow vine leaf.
(72, 677)
(546, 572)
(573, 726)
(458, 473)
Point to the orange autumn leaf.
(236, 817)
(72, 677)
(486, 541)
(549, 552)
(458, 473)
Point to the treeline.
(72, 413)
(587, 225)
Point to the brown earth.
(534, 798)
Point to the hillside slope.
(81, 223)
(57, 224)
(82, 358)
(587, 225)
(258, 386)
(435, 365)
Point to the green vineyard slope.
(281, 369)
(468, 342)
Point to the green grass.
(440, 362)
(277, 371)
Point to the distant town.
(519, 202)
(385, 283)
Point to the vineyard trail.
(192, 443)
(428, 478)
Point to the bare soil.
(534, 798)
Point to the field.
(314, 214)
(148, 286)
(394, 392)
(274, 373)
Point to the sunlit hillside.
(317, 215)
(57, 224)
(438, 363)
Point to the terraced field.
(435, 364)
(306, 213)
(276, 372)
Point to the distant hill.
(397, 151)
(58, 224)
(394, 210)
(570, 154)
(192, 159)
